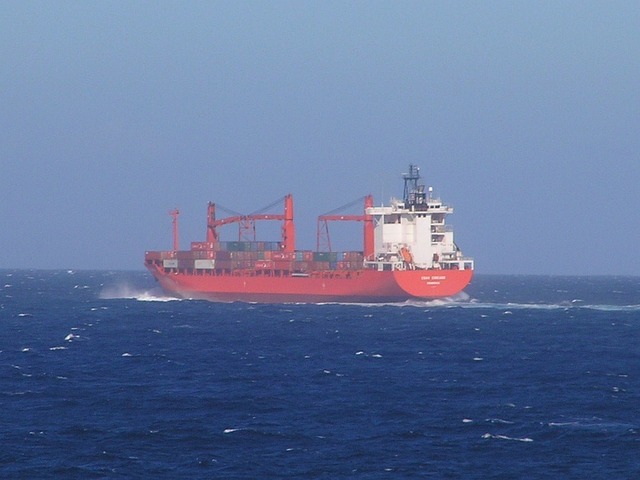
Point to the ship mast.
(174, 214)
(288, 228)
(212, 234)
(413, 192)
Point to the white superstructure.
(412, 233)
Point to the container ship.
(408, 253)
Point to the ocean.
(102, 376)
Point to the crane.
(246, 223)
(323, 237)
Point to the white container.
(206, 264)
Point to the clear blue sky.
(525, 116)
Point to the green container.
(320, 256)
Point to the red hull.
(361, 286)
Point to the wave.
(127, 291)
(596, 424)
(446, 302)
(467, 302)
(504, 437)
(507, 307)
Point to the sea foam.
(127, 291)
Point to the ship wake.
(444, 302)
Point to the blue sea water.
(101, 376)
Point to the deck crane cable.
(235, 213)
(345, 207)
(268, 207)
(229, 211)
(238, 214)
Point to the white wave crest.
(444, 302)
(504, 437)
(127, 291)
(231, 430)
(508, 308)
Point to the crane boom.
(323, 226)
(246, 223)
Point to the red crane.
(174, 221)
(323, 237)
(246, 223)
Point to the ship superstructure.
(408, 252)
(412, 233)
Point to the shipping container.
(202, 245)
(204, 264)
(223, 255)
(281, 256)
(320, 256)
(300, 266)
(241, 246)
(244, 255)
(354, 257)
(264, 265)
(153, 255)
(241, 264)
(170, 263)
(185, 263)
(209, 254)
(282, 265)
(319, 265)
